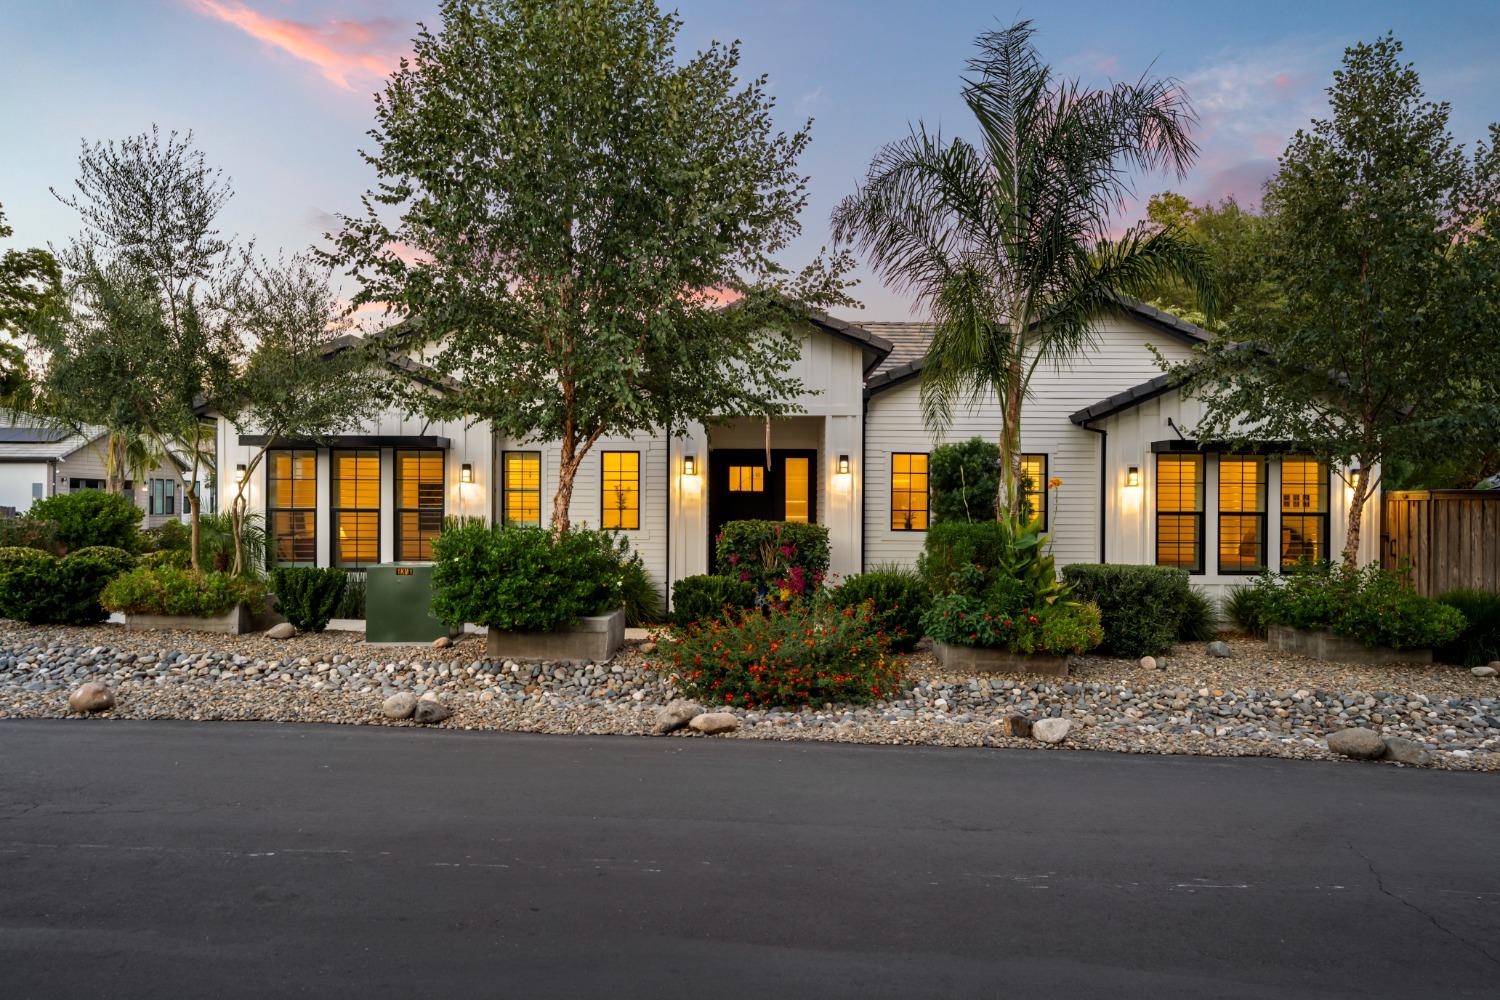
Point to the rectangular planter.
(594, 638)
(979, 660)
(1320, 644)
(237, 621)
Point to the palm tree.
(1006, 240)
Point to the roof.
(908, 343)
(1134, 396)
(32, 435)
(27, 437)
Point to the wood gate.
(1449, 538)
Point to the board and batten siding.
(1119, 360)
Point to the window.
(356, 508)
(291, 506)
(523, 487)
(36, 491)
(798, 477)
(621, 490)
(85, 484)
(1179, 511)
(909, 491)
(419, 503)
(1034, 485)
(163, 496)
(1304, 511)
(1242, 514)
(747, 479)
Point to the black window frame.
(603, 490)
(1321, 517)
(399, 510)
(1201, 540)
(926, 493)
(506, 489)
(272, 536)
(335, 509)
(1263, 515)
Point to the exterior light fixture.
(466, 473)
(843, 465)
(1133, 477)
(689, 465)
(239, 473)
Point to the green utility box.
(398, 604)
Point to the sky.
(279, 92)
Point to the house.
(1115, 476)
(38, 460)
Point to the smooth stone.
(1357, 742)
(91, 697)
(648, 648)
(713, 723)
(431, 711)
(674, 715)
(1148, 663)
(1051, 730)
(1218, 648)
(283, 630)
(1488, 671)
(1017, 726)
(1405, 751)
(442, 642)
(399, 706)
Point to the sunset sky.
(278, 91)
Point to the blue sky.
(278, 91)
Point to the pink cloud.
(343, 51)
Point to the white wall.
(16, 479)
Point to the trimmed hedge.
(308, 596)
(701, 598)
(39, 588)
(899, 599)
(1141, 607)
(168, 590)
(782, 559)
(1479, 642)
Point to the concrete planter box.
(237, 621)
(596, 638)
(1320, 644)
(980, 660)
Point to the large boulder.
(282, 630)
(713, 723)
(1051, 730)
(429, 712)
(1487, 671)
(1405, 751)
(674, 715)
(91, 697)
(1357, 742)
(1218, 648)
(399, 706)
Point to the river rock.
(1148, 663)
(713, 723)
(442, 642)
(1487, 671)
(399, 706)
(91, 697)
(1017, 725)
(1051, 730)
(429, 712)
(1405, 751)
(1357, 742)
(282, 630)
(674, 715)
(1218, 648)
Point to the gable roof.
(875, 347)
(25, 437)
(1123, 400)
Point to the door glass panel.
(747, 479)
(797, 489)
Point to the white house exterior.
(850, 461)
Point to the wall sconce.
(689, 465)
(1133, 477)
(843, 465)
(239, 474)
(466, 473)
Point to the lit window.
(1034, 486)
(1179, 511)
(747, 479)
(356, 508)
(1304, 510)
(798, 482)
(523, 488)
(291, 506)
(420, 494)
(909, 491)
(1242, 514)
(621, 486)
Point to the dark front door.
(741, 488)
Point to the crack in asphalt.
(1380, 887)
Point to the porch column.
(687, 499)
(842, 516)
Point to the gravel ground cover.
(1253, 703)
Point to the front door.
(741, 488)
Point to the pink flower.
(734, 558)
(744, 576)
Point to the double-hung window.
(1179, 511)
(620, 502)
(523, 487)
(1304, 510)
(909, 491)
(356, 508)
(163, 497)
(1242, 514)
(420, 493)
(291, 506)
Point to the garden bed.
(592, 639)
(1321, 644)
(236, 621)
(983, 660)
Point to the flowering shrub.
(782, 560)
(802, 654)
(1376, 606)
(695, 598)
(1058, 629)
(899, 597)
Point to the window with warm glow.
(523, 487)
(1034, 486)
(291, 506)
(420, 503)
(621, 503)
(909, 491)
(798, 480)
(1179, 511)
(1242, 514)
(747, 479)
(356, 508)
(1304, 510)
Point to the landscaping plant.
(808, 652)
(897, 596)
(90, 517)
(960, 557)
(308, 596)
(1141, 606)
(40, 588)
(1375, 605)
(1060, 629)
(29, 533)
(699, 598)
(352, 604)
(1245, 607)
(1479, 642)
(170, 590)
(962, 481)
(169, 536)
(1199, 621)
(782, 560)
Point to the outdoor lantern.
(843, 465)
(689, 465)
(1133, 477)
(466, 473)
(239, 473)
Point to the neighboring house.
(1132, 487)
(39, 461)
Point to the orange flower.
(1053, 483)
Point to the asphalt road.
(180, 859)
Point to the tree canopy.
(30, 282)
(1229, 236)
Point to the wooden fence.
(1450, 538)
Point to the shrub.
(38, 587)
(701, 598)
(963, 480)
(1200, 618)
(780, 559)
(1245, 607)
(899, 599)
(29, 533)
(178, 558)
(352, 604)
(1376, 606)
(1140, 606)
(168, 590)
(216, 541)
(169, 536)
(959, 557)
(522, 579)
(1058, 629)
(308, 596)
(1479, 642)
(90, 517)
(807, 652)
(638, 593)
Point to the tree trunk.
(236, 526)
(1007, 504)
(567, 471)
(193, 509)
(1356, 516)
